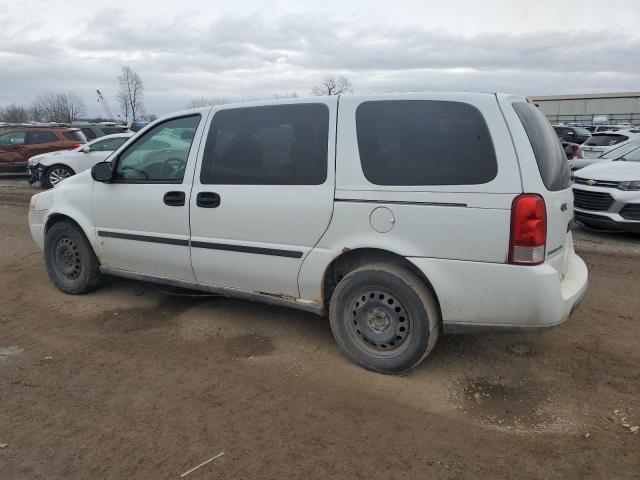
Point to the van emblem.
(591, 182)
(563, 207)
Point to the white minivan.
(400, 216)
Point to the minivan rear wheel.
(71, 263)
(384, 318)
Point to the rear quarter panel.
(462, 222)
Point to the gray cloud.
(251, 56)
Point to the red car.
(21, 143)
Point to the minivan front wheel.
(384, 318)
(71, 263)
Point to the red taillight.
(528, 230)
(76, 145)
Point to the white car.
(607, 194)
(576, 163)
(50, 168)
(400, 216)
(600, 143)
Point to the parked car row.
(20, 142)
(580, 142)
(53, 167)
(605, 165)
(607, 193)
(97, 130)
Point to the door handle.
(208, 200)
(174, 199)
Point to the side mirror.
(86, 149)
(102, 172)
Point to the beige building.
(617, 107)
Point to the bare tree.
(130, 95)
(206, 102)
(58, 107)
(14, 114)
(333, 85)
(36, 112)
(73, 106)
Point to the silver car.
(607, 194)
(577, 163)
(600, 143)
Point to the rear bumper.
(477, 297)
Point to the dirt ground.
(130, 382)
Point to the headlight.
(34, 160)
(634, 185)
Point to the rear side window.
(108, 145)
(605, 139)
(424, 142)
(112, 130)
(89, 133)
(547, 149)
(270, 145)
(42, 137)
(75, 136)
(581, 131)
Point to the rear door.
(42, 141)
(544, 170)
(262, 194)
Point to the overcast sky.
(257, 49)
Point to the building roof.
(585, 96)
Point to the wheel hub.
(57, 175)
(379, 322)
(67, 258)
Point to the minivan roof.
(370, 96)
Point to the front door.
(263, 194)
(142, 216)
(13, 149)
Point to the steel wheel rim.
(58, 174)
(378, 323)
(67, 258)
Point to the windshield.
(633, 156)
(621, 150)
(581, 131)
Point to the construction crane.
(105, 106)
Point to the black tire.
(384, 318)
(55, 173)
(71, 263)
